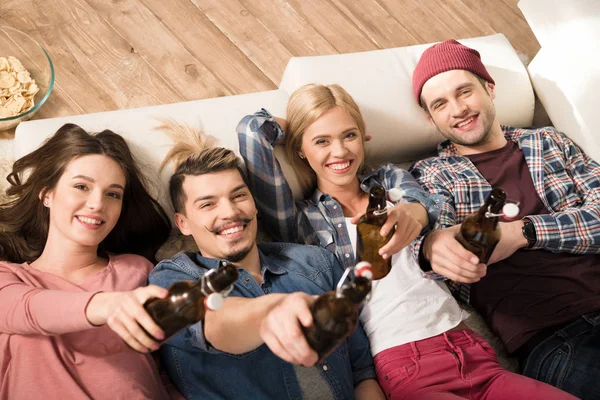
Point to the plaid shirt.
(566, 180)
(318, 220)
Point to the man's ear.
(491, 88)
(181, 222)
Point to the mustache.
(219, 227)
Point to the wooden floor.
(115, 54)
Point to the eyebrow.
(87, 178)
(457, 89)
(212, 196)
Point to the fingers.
(456, 263)
(450, 259)
(281, 330)
(130, 319)
(355, 219)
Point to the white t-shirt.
(404, 306)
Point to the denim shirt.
(202, 372)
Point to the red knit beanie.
(447, 56)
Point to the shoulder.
(300, 257)
(179, 267)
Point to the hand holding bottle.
(335, 313)
(450, 259)
(124, 314)
(281, 330)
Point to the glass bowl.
(36, 60)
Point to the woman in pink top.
(69, 296)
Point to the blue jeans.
(570, 358)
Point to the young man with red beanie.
(540, 291)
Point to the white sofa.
(380, 81)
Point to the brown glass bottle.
(479, 232)
(369, 241)
(335, 313)
(187, 301)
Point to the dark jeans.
(569, 359)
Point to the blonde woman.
(422, 348)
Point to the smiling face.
(463, 110)
(86, 203)
(334, 148)
(220, 214)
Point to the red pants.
(454, 365)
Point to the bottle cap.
(510, 210)
(395, 195)
(214, 301)
(364, 269)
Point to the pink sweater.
(49, 350)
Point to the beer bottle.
(479, 232)
(335, 313)
(187, 301)
(369, 241)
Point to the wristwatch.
(529, 233)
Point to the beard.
(239, 255)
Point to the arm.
(438, 252)
(257, 135)
(575, 228)
(28, 310)
(236, 327)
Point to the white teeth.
(232, 230)
(90, 221)
(339, 166)
(460, 125)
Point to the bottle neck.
(219, 280)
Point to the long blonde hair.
(306, 105)
(194, 153)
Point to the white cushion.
(565, 73)
(381, 83)
(561, 23)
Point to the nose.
(338, 148)
(228, 210)
(458, 108)
(95, 200)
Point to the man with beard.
(253, 347)
(540, 291)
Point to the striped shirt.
(566, 180)
(318, 220)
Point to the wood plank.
(333, 25)
(209, 45)
(376, 23)
(292, 31)
(160, 48)
(503, 19)
(464, 22)
(241, 27)
(421, 22)
(94, 65)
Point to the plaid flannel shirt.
(319, 219)
(566, 180)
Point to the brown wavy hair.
(143, 225)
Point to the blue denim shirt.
(202, 372)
